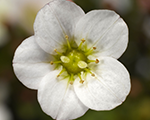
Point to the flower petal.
(57, 19)
(105, 30)
(108, 88)
(58, 99)
(31, 63)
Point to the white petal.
(31, 63)
(57, 19)
(108, 88)
(58, 99)
(105, 30)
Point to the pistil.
(82, 64)
(65, 59)
(74, 61)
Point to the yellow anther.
(66, 36)
(82, 64)
(97, 61)
(58, 75)
(93, 75)
(65, 59)
(94, 48)
(81, 81)
(71, 82)
(83, 40)
(51, 62)
(55, 50)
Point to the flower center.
(74, 61)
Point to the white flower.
(71, 60)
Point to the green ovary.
(75, 56)
(74, 61)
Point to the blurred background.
(16, 23)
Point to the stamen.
(82, 64)
(81, 81)
(82, 41)
(58, 52)
(90, 51)
(65, 59)
(52, 62)
(71, 79)
(92, 74)
(61, 72)
(96, 61)
(67, 38)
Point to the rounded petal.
(55, 20)
(31, 63)
(105, 30)
(108, 89)
(58, 99)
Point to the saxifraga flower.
(72, 60)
